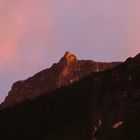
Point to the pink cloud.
(35, 33)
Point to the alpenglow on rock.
(67, 71)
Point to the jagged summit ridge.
(67, 71)
(68, 54)
(68, 58)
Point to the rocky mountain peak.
(67, 54)
(67, 71)
(68, 58)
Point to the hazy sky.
(36, 33)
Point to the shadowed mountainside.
(102, 106)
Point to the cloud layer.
(36, 33)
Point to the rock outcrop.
(66, 72)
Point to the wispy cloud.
(36, 33)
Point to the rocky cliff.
(67, 71)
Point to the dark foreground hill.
(102, 106)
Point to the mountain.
(67, 71)
(102, 106)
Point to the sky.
(36, 33)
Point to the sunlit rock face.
(66, 72)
